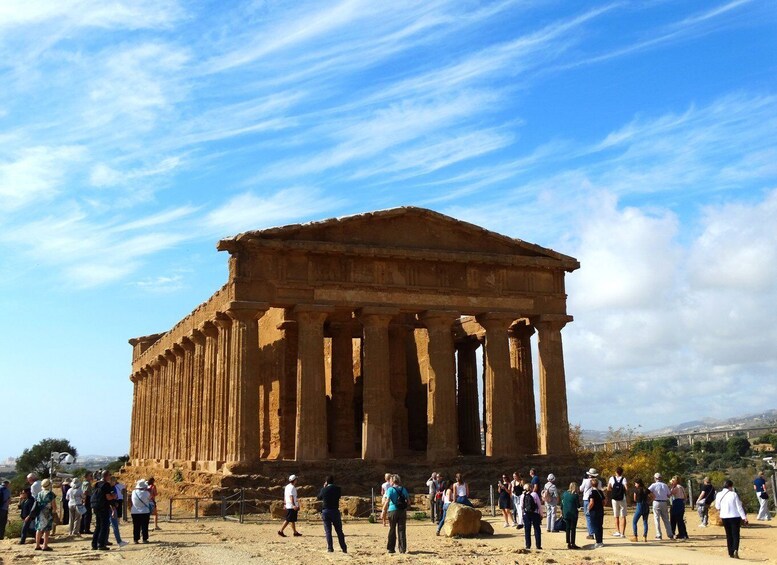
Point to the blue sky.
(639, 137)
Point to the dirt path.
(217, 542)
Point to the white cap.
(292, 478)
(551, 477)
(657, 476)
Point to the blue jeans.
(463, 500)
(442, 520)
(331, 518)
(588, 524)
(532, 520)
(115, 526)
(641, 511)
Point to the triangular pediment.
(405, 227)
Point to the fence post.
(690, 493)
(491, 499)
(170, 511)
(774, 490)
(196, 509)
(242, 503)
(372, 499)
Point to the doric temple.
(358, 337)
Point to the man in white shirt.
(35, 486)
(660, 491)
(433, 483)
(383, 496)
(585, 488)
(617, 487)
(291, 502)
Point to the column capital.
(197, 337)
(496, 320)
(163, 359)
(222, 321)
(379, 316)
(178, 349)
(468, 344)
(246, 311)
(210, 329)
(315, 313)
(522, 329)
(551, 321)
(438, 319)
(187, 343)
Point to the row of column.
(200, 400)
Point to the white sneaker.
(616, 535)
(123, 543)
(702, 526)
(598, 545)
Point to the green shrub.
(371, 519)
(420, 516)
(13, 529)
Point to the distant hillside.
(761, 419)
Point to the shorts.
(291, 515)
(619, 508)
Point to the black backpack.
(401, 503)
(618, 492)
(529, 504)
(97, 500)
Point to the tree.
(738, 446)
(36, 458)
(115, 466)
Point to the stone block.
(461, 520)
(486, 529)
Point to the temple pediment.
(402, 228)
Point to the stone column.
(188, 401)
(243, 444)
(196, 411)
(311, 437)
(172, 402)
(554, 422)
(398, 334)
(210, 332)
(287, 419)
(500, 438)
(342, 433)
(442, 441)
(523, 388)
(377, 438)
(220, 429)
(158, 403)
(145, 433)
(469, 416)
(133, 449)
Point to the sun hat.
(593, 472)
(551, 477)
(292, 478)
(141, 484)
(45, 484)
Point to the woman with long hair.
(461, 490)
(641, 497)
(677, 510)
(570, 502)
(505, 501)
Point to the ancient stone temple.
(358, 337)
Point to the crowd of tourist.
(92, 506)
(95, 504)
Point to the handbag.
(764, 495)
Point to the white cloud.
(35, 174)
(132, 14)
(248, 211)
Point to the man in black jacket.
(330, 494)
(101, 499)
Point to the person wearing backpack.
(550, 497)
(532, 515)
(100, 501)
(617, 486)
(395, 505)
